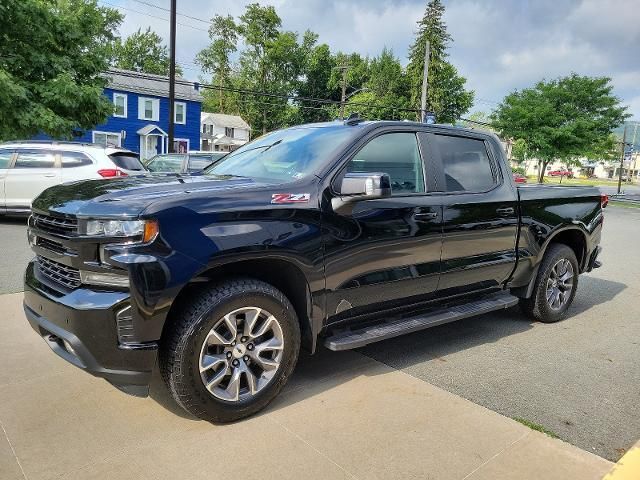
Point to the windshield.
(285, 155)
(166, 163)
(127, 161)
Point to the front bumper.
(80, 327)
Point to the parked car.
(320, 234)
(28, 168)
(561, 173)
(183, 163)
(519, 178)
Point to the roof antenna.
(353, 119)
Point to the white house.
(222, 133)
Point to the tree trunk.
(542, 168)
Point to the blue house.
(140, 120)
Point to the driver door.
(386, 253)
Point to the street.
(577, 378)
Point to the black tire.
(537, 307)
(182, 343)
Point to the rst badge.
(290, 198)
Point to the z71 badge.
(290, 198)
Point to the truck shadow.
(326, 370)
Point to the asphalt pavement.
(578, 378)
(14, 253)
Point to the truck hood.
(129, 196)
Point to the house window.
(204, 128)
(228, 131)
(211, 129)
(180, 113)
(120, 105)
(107, 139)
(148, 109)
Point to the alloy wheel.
(560, 284)
(241, 354)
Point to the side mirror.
(356, 187)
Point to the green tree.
(215, 59)
(446, 95)
(51, 56)
(386, 91)
(563, 119)
(143, 52)
(272, 62)
(317, 74)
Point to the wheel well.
(282, 274)
(575, 240)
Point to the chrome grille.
(56, 225)
(59, 273)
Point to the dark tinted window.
(35, 159)
(199, 162)
(466, 164)
(285, 155)
(395, 154)
(74, 159)
(166, 163)
(5, 158)
(126, 161)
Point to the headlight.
(146, 229)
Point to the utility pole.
(172, 74)
(344, 68)
(624, 144)
(425, 82)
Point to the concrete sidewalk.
(343, 415)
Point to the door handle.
(49, 175)
(425, 215)
(505, 211)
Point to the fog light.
(106, 279)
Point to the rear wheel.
(231, 350)
(555, 285)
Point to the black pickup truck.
(340, 234)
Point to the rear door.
(34, 171)
(480, 213)
(77, 166)
(386, 253)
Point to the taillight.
(111, 172)
(604, 200)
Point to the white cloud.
(499, 45)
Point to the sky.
(498, 45)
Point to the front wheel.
(555, 286)
(231, 350)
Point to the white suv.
(28, 168)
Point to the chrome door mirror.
(356, 187)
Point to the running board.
(346, 340)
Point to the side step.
(346, 340)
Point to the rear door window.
(74, 159)
(466, 164)
(35, 159)
(395, 154)
(127, 161)
(5, 158)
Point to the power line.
(168, 10)
(150, 15)
(295, 98)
